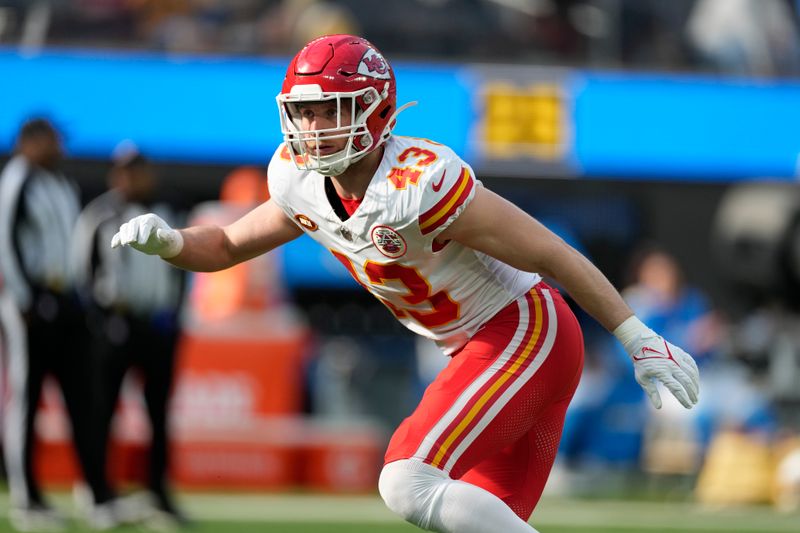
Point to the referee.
(42, 325)
(133, 302)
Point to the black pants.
(50, 338)
(120, 343)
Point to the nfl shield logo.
(388, 242)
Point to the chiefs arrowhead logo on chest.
(388, 242)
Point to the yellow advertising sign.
(524, 121)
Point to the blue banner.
(686, 127)
(192, 109)
(506, 120)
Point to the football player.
(454, 262)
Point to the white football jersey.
(441, 292)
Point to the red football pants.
(493, 417)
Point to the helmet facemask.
(359, 140)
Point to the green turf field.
(246, 513)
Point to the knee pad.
(411, 489)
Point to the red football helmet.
(350, 71)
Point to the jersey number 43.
(443, 309)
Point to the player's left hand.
(655, 359)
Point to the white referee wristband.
(632, 329)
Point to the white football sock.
(428, 498)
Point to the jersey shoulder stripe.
(441, 212)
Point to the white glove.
(654, 359)
(149, 234)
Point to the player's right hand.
(149, 234)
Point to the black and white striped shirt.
(122, 278)
(38, 210)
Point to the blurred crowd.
(744, 411)
(758, 37)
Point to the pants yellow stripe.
(505, 376)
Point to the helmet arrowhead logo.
(374, 65)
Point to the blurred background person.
(132, 303)
(44, 328)
(659, 290)
(606, 426)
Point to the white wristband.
(173, 243)
(630, 330)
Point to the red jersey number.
(443, 309)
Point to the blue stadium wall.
(190, 109)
